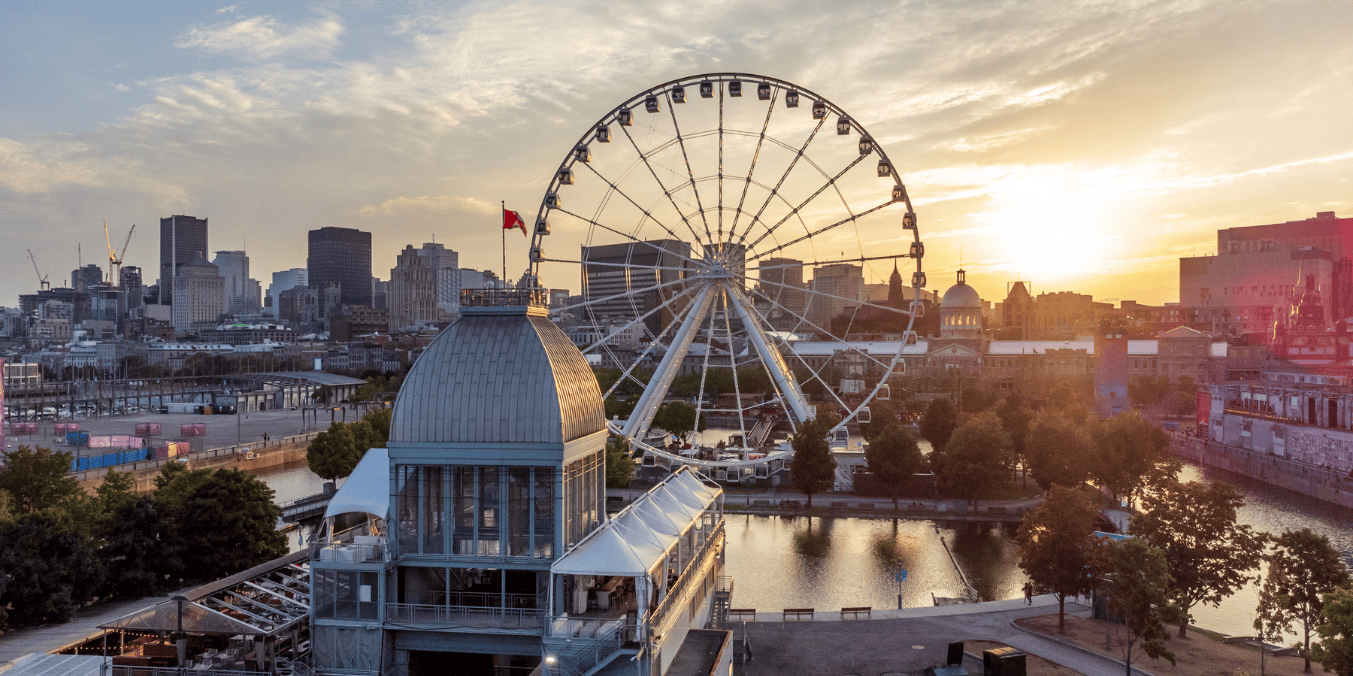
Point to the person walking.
(1028, 593)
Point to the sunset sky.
(1085, 146)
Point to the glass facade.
(584, 497)
(489, 511)
(345, 594)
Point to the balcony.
(467, 617)
(354, 545)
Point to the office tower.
(130, 282)
(199, 295)
(620, 279)
(444, 263)
(183, 239)
(282, 281)
(782, 282)
(835, 287)
(409, 295)
(341, 257)
(243, 294)
(83, 278)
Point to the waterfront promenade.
(771, 503)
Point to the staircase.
(723, 599)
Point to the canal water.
(826, 563)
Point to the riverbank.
(1317, 482)
(258, 457)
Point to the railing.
(686, 578)
(502, 297)
(484, 600)
(458, 617)
(725, 584)
(588, 642)
(133, 670)
(347, 552)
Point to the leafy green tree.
(975, 459)
(1137, 588)
(977, 398)
(1059, 450)
(893, 457)
(365, 437)
(1128, 449)
(814, 467)
(882, 415)
(1015, 418)
(143, 550)
(116, 490)
(1302, 568)
(37, 479)
(175, 483)
(1057, 545)
(619, 465)
(380, 421)
(1181, 403)
(754, 380)
(1334, 650)
(678, 418)
(938, 423)
(1209, 554)
(228, 524)
(51, 571)
(333, 453)
(619, 409)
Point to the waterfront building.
(483, 544)
(1293, 414)
(183, 239)
(341, 257)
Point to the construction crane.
(43, 285)
(115, 258)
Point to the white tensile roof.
(367, 490)
(634, 541)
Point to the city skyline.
(1085, 148)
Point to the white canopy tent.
(367, 489)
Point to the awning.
(635, 540)
(367, 490)
(196, 619)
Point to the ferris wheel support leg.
(774, 361)
(662, 378)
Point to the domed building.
(490, 548)
(961, 311)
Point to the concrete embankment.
(255, 457)
(1318, 482)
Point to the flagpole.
(504, 231)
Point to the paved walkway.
(907, 641)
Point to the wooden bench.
(789, 504)
(744, 614)
(796, 613)
(857, 611)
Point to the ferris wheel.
(690, 214)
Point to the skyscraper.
(284, 281)
(242, 292)
(626, 281)
(183, 239)
(411, 299)
(83, 278)
(131, 283)
(445, 264)
(199, 295)
(341, 257)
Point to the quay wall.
(273, 455)
(1318, 482)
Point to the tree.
(1059, 451)
(175, 483)
(1302, 568)
(974, 459)
(143, 549)
(938, 423)
(1137, 589)
(619, 465)
(116, 490)
(619, 409)
(678, 418)
(51, 571)
(1181, 403)
(1209, 554)
(1128, 449)
(333, 453)
(228, 524)
(814, 467)
(1334, 650)
(1015, 418)
(882, 415)
(893, 457)
(365, 437)
(1057, 546)
(36, 478)
(380, 421)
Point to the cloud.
(263, 37)
(426, 203)
(229, 9)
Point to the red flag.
(512, 219)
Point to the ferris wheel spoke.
(623, 294)
(676, 126)
(733, 365)
(704, 369)
(630, 237)
(751, 169)
(661, 381)
(831, 183)
(677, 320)
(640, 318)
(862, 259)
(604, 264)
(854, 301)
(804, 320)
(776, 190)
(647, 214)
(774, 362)
(665, 191)
(827, 228)
(720, 240)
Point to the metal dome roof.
(961, 296)
(498, 378)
